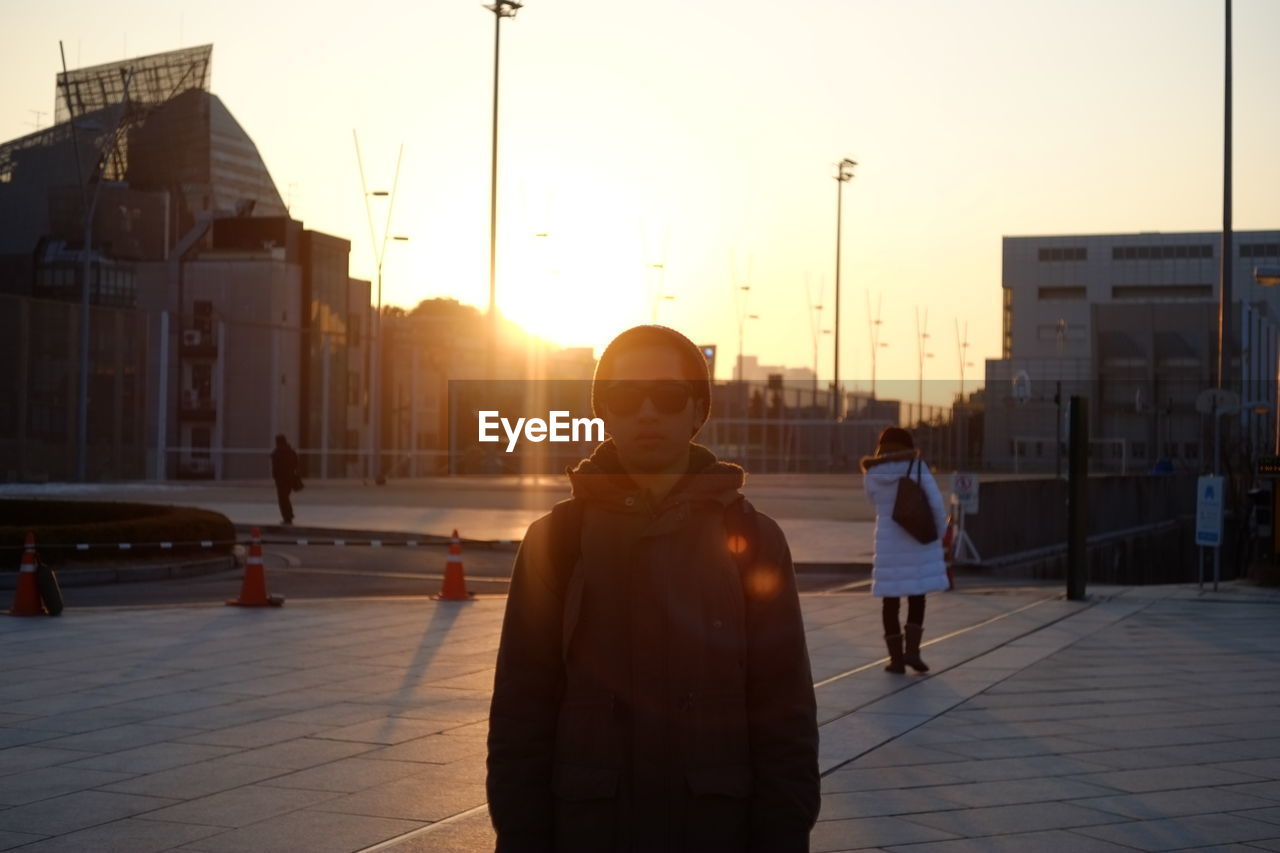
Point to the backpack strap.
(566, 542)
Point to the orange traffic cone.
(26, 598)
(455, 585)
(253, 590)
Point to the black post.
(1077, 499)
(1057, 431)
(1226, 351)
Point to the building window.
(1162, 291)
(1153, 253)
(1064, 253)
(1061, 294)
(200, 441)
(1260, 250)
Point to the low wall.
(1141, 529)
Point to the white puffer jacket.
(902, 565)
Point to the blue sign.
(1209, 511)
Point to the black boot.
(894, 643)
(911, 655)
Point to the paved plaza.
(1141, 719)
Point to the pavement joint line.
(387, 844)
(862, 584)
(956, 633)
(294, 603)
(300, 569)
(422, 830)
(1000, 680)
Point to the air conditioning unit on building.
(192, 337)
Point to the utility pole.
(379, 253)
(844, 174)
(500, 9)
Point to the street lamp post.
(661, 295)
(922, 335)
(86, 269)
(1225, 270)
(742, 321)
(873, 337)
(844, 174)
(379, 253)
(962, 344)
(500, 9)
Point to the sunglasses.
(626, 398)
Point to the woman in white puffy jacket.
(902, 565)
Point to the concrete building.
(241, 323)
(433, 365)
(1129, 321)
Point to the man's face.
(649, 410)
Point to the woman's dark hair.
(894, 439)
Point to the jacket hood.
(602, 476)
(869, 462)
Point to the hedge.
(68, 523)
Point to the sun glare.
(571, 295)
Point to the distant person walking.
(653, 690)
(902, 564)
(284, 470)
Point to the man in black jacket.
(284, 470)
(653, 690)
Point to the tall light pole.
(661, 295)
(1225, 271)
(500, 9)
(922, 335)
(962, 438)
(873, 337)
(815, 329)
(379, 253)
(962, 344)
(90, 205)
(844, 174)
(743, 316)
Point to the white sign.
(1213, 400)
(1209, 511)
(964, 491)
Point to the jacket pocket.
(717, 816)
(586, 808)
(576, 782)
(732, 781)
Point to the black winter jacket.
(661, 700)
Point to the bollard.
(1077, 499)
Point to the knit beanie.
(691, 359)
(893, 440)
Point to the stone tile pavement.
(1142, 719)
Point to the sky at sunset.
(704, 136)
